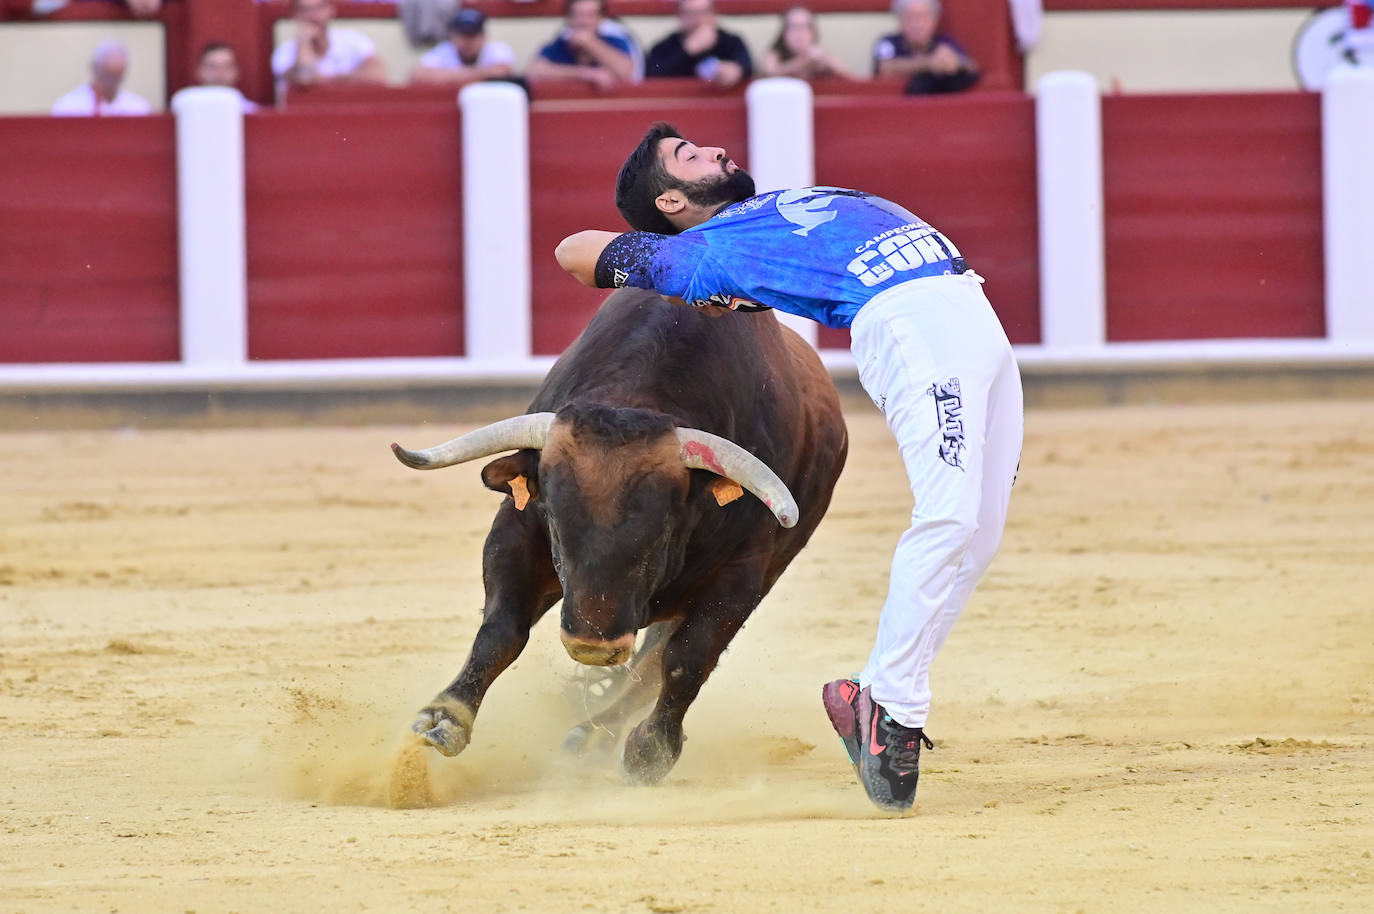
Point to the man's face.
(468, 46)
(692, 14)
(708, 176)
(108, 74)
(584, 15)
(316, 12)
(918, 22)
(218, 68)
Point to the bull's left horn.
(513, 434)
(705, 451)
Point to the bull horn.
(528, 431)
(705, 451)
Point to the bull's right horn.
(516, 433)
(705, 451)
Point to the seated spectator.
(699, 48)
(324, 53)
(467, 55)
(219, 66)
(103, 95)
(591, 48)
(797, 51)
(929, 60)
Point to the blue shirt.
(613, 33)
(820, 252)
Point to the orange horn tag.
(520, 492)
(726, 491)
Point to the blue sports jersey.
(820, 252)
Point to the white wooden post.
(496, 222)
(1068, 142)
(1348, 202)
(782, 151)
(210, 227)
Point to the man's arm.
(579, 253)
(613, 58)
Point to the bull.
(623, 503)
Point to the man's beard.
(729, 188)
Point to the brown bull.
(621, 489)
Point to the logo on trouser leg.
(949, 409)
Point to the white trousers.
(935, 359)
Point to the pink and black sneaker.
(886, 754)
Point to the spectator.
(699, 48)
(797, 50)
(426, 22)
(324, 53)
(591, 48)
(467, 55)
(219, 66)
(104, 95)
(929, 60)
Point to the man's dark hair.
(642, 178)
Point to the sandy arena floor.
(1161, 698)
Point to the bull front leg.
(520, 585)
(715, 614)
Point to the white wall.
(1179, 51)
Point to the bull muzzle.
(597, 652)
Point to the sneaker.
(839, 700)
(885, 754)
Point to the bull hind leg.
(598, 732)
(716, 613)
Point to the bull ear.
(517, 475)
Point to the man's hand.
(944, 60)
(699, 40)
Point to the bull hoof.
(445, 725)
(647, 757)
(585, 739)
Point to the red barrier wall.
(576, 152)
(88, 264)
(966, 164)
(1213, 216)
(354, 234)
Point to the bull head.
(699, 451)
(606, 507)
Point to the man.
(219, 66)
(467, 56)
(700, 48)
(930, 353)
(928, 60)
(323, 53)
(104, 94)
(591, 49)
